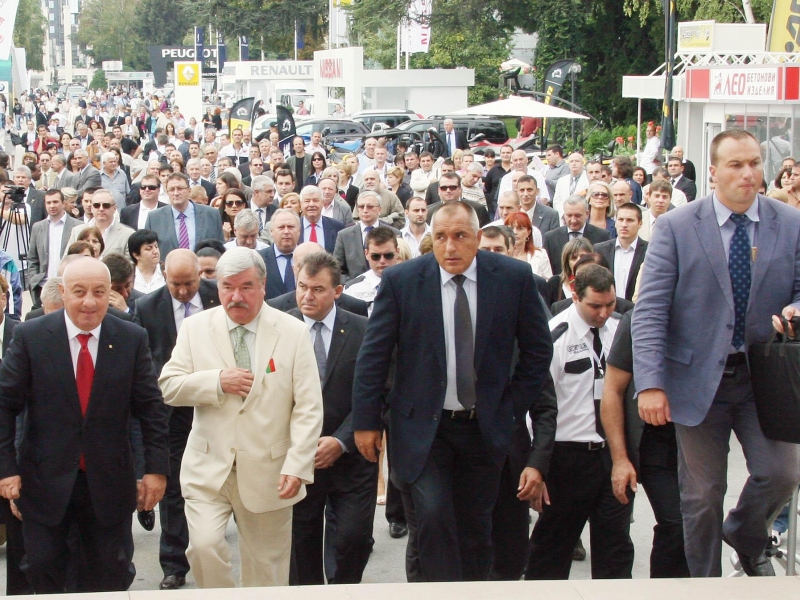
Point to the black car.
(493, 130)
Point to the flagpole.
(295, 39)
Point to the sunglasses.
(448, 188)
(234, 203)
(105, 205)
(376, 256)
(152, 188)
(316, 159)
(599, 195)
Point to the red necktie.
(84, 378)
(313, 237)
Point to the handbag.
(775, 376)
(16, 139)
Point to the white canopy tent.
(519, 106)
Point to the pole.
(572, 86)
(639, 127)
(330, 24)
(399, 33)
(295, 39)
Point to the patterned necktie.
(319, 349)
(240, 352)
(599, 373)
(183, 237)
(260, 213)
(573, 184)
(213, 175)
(313, 236)
(739, 269)
(465, 347)
(187, 310)
(288, 274)
(84, 377)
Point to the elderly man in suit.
(453, 138)
(454, 401)
(349, 249)
(250, 372)
(391, 207)
(575, 182)
(285, 227)
(333, 206)
(162, 314)
(88, 176)
(115, 234)
(63, 178)
(718, 271)
(314, 227)
(344, 481)
(625, 254)
(80, 375)
(576, 214)
(183, 224)
(48, 242)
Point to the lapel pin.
(341, 331)
(110, 346)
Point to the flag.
(199, 38)
(554, 79)
(242, 114)
(286, 129)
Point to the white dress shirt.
(623, 261)
(411, 240)
(179, 312)
(143, 212)
(156, 281)
(448, 312)
(55, 231)
(75, 346)
(366, 289)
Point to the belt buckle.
(463, 415)
(597, 445)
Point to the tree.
(724, 11)
(108, 31)
(99, 81)
(158, 23)
(29, 29)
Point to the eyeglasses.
(366, 206)
(599, 195)
(375, 256)
(234, 202)
(105, 205)
(177, 189)
(255, 164)
(318, 158)
(152, 188)
(449, 188)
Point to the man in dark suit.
(454, 402)
(449, 186)
(576, 213)
(201, 222)
(75, 464)
(162, 313)
(33, 197)
(625, 254)
(195, 178)
(344, 481)
(285, 233)
(453, 139)
(688, 166)
(679, 180)
(313, 226)
(132, 215)
(349, 247)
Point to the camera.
(16, 193)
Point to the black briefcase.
(775, 373)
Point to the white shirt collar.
(327, 321)
(196, 302)
(73, 330)
(471, 273)
(632, 247)
(577, 324)
(61, 221)
(252, 326)
(724, 213)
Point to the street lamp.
(574, 69)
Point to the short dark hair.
(410, 200)
(493, 232)
(489, 152)
(453, 175)
(380, 236)
(209, 243)
(528, 179)
(733, 134)
(208, 251)
(316, 262)
(594, 276)
(426, 154)
(284, 173)
(557, 149)
(138, 239)
(178, 177)
(120, 267)
(54, 192)
(624, 166)
(631, 206)
(661, 185)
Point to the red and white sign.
(330, 68)
(416, 30)
(744, 84)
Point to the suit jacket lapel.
(222, 339)
(104, 365)
(430, 295)
(710, 238)
(488, 284)
(61, 360)
(267, 336)
(168, 311)
(341, 331)
(768, 229)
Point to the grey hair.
(473, 216)
(371, 194)
(310, 189)
(59, 158)
(105, 191)
(260, 182)
(24, 170)
(234, 171)
(246, 220)
(192, 162)
(81, 153)
(239, 259)
(107, 155)
(283, 211)
(50, 292)
(476, 168)
(575, 199)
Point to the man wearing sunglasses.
(115, 234)
(381, 252)
(135, 215)
(450, 191)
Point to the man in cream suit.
(251, 374)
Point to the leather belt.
(460, 415)
(589, 446)
(736, 360)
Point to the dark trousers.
(413, 571)
(16, 582)
(658, 474)
(395, 513)
(579, 485)
(509, 529)
(348, 490)
(174, 530)
(108, 549)
(453, 499)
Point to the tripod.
(18, 221)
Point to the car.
(334, 130)
(71, 91)
(530, 144)
(384, 118)
(494, 130)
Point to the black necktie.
(465, 347)
(599, 373)
(288, 274)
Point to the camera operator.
(8, 266)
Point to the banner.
(416, 28)
(221, 52)
(199, 38)
(784, 27)
(8, 14)
(244, 48)
(242, 114)
(554, 79)
(286, 129)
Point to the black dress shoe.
(756, 566)
(579, 552)
(172, 582)
(147, 518)
(398, 530)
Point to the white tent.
(519, 106)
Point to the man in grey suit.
(88, 176)
(184, 223)
(716, 272)
(50, 234)
(349, 248)
(64, 178)
(542, 217)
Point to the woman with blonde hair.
(71, 202)
(291, 200)
(601, 208)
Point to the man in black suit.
(449, 186)
(453, 139)
(314, 227)
(75, 464)
(33, 197)
(679, 180)
(688, 166)
(625, 254)
(344, 481)
(576, 213)
(195, 178)
(162, 313)
(278, 258)
(454, 401)
(135, 215)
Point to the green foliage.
(722, 11)
(99, 81)
(29, 29)
(108, 31)
(160, 23)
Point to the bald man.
(80, 374)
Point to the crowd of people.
(252, 335)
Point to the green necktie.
(240, 351)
